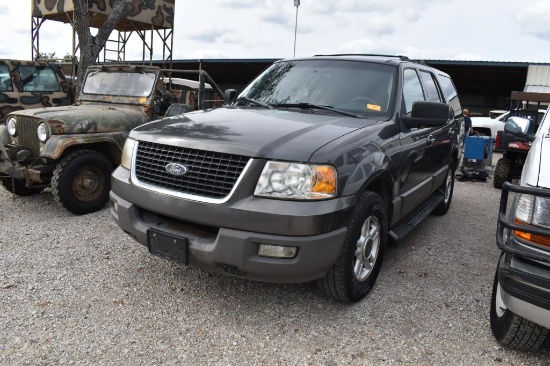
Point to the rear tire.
(360, 260)
(18, 187)
(511, 330)
(447, 188)
(81, 181)
(502, 172)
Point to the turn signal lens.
(533, 238)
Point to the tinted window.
(5, 79)
(358, 87)
(412, 89)
(448, 87)
(35, 78)
(429, 86)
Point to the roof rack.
(404, 58)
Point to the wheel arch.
(109, 144)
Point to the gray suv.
(306, 176)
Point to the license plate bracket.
(168, 246)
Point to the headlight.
(43, 132)
(296, 181)
(12, 126)
(533, 210)
(127, 153)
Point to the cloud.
(370, 46)
(205, 53)
(208, 33)
(240, 4)
(535, 19)
(4, 10)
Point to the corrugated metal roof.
(538, 75)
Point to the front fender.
(4, 135)
(57, 144)
(370, 167)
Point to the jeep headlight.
(128, 153)
(43, 132)
(12, 126)
(533, 210)
(296, 181)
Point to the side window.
(448, 87)
(38, 79)
(5, 79)
(412, 89)
(429, 86)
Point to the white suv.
(520, 305)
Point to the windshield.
(121, 83)
(358, 87)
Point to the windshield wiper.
(314, 106)
(252, 101)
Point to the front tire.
(360, 260)
(502, 172)
(81, 181)
(447, 188)
(511, 330)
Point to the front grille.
(26, 134)
(210, 174)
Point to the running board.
(398, 232)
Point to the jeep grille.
(26, 133)
(210, 174)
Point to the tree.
(45, 56)
(91, 46)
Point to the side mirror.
(229, 96)
(517, 126)
(428, 114)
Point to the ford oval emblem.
(176, 169)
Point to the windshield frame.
(119, 83)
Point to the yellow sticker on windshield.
(374, 107)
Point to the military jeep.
(73, 149)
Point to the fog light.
(277, 251)
(115, 206)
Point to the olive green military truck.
(73, 149)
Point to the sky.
(484, 30)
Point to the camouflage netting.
(139, 14)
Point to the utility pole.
(296, 4)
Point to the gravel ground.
(76, 290)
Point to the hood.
(89, 117)
(538, 157)
(261, 133)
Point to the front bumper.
(225, 237)
(525, 288)
(524, 270)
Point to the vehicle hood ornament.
(176, 169)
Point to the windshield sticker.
(374, 107)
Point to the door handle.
(430, 140)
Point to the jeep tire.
(511, 330)
(355, 272)
(502, 172)
(81, 181)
